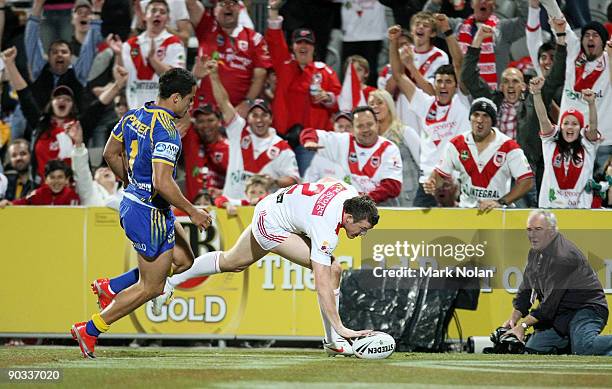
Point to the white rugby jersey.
(580, 74)
(439, 124)
(365, 166)
(143, 82)
(250, 155)
(314, 209)
(486, 175)
(564, 181)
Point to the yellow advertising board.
(51, 255)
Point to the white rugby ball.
(377, 345)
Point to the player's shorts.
(150, 230)
(266, 229)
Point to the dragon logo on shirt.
(243, 45)
(464, 155)
(499, 158)
(353, 157)
(218, 157)
(273, 152)
(375, 161)
(245, 142)
(557, 162)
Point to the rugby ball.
(377, 345)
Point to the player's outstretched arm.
(325, 294)
(169, 190)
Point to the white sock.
(204, 265)
(330, 333)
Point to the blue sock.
(124, 281)
(91, 329)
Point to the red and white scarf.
(587, 81)
(486, 62)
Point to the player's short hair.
(176, 80)
(362, 208)
(425, 16)
(446, 69)
(257, 179)
(546, 46)
(56, 164)
(158, 2)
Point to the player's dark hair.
(446, 69)
(57, 43)
(176, 80)
(546, 46)
(56, 164)
(363, 108)
(362, 208)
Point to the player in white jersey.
(442, 116)
(254, 147)
(569, 156)
(150, 54)
(486, 160)
(300, 223)
(371, 163)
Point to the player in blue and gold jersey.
(143, 151)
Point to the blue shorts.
(150, 230)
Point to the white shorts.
(265, 228)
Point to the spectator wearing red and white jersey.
(307, 91)
(178, 23)
(241, 51)
(55, 191)
(149, 55)
(206, 153)
(371, 163)
(485, 160)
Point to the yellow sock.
(100, 323)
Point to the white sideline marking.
(520, 367)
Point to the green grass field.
(287, 368)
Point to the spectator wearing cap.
(322, 167)
(516, 116)
(254, 146)
(495, 55)
(56, 189)
(588, 67)
(364, 26)
(206, 153)
(242, 53)
(485, 161)
(58, 69)
(306, 90)
(19, 170)
(54, 127)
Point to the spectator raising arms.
(46, 75)
(149, 55)
(242, 53)
(254, 147)
(569, 152)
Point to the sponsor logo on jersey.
(166, 150)
(325, 248)
(499, 158)
(557, 161)
(325, 198)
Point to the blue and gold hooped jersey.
(149, 136)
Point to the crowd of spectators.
(444, 111)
